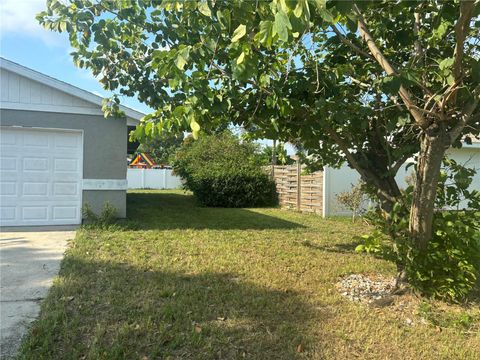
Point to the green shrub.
(107, 216)
(223, 172)
(450, 265)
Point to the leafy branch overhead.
(198, 62)
(370, 83)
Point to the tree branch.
(466, 116)
(385, 64)
(461, 28)
(347, 42)
(364, 173)
(398, 164)
(416, 30)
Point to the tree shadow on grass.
(105, 310)
(341, 248)
(179, 211)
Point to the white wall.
(152, 179)
(20, 92)
(340, 180)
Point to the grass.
(197, 283)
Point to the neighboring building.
(339, 180)
(318, 191)
(57, 151)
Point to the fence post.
(164, 178)
(143, 178)
(299, 185)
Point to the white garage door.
(40, 177)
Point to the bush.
(353, 200)
(107, 216)
(223, 172)
(450, 265)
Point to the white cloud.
(18, 17)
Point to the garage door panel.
(35, 189)
(41, 177)
(66, 165)
(8, 163)
(65, 213)
(8, 213)
(35, 164)
(8, 188)
(35, 213)
(36, 139)
(67, 141)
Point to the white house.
(340, 180)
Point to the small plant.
(107, 216)
(353, 200)
(88, 215)
(460, 320)
(371, 244)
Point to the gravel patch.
(368, 290)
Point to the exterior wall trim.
(133, 115)
(51, 108)
(104, 184)
(59, 109)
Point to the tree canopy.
(368, 82)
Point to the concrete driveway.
(29, 260)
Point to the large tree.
(371, 83)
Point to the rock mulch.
(368, 290)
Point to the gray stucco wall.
(104, 148)
(97, 198)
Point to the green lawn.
(196, 283)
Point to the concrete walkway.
(29, 260)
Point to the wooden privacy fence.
(299, 191)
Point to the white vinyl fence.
(152, 179)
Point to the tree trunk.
(434, 143)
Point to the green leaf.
(321, 4)
(327, 16)
(442, 29)
(182, 57)
(204, 8)
(281, 25)
(446, 63)
(391, 84)
(265, 35)
(194, 125)
(241, 58)
(239, 32)
(360, 248)
(298, 9)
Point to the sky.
(27, 43)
